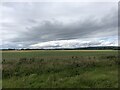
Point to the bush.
(3, 61)
(22, 60)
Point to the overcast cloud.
(58, 24)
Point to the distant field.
(55, 53)
(60, 69)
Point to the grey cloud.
(43, 22)
(57, 30)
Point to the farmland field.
(60, 69)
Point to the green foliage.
(60, 69)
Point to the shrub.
(74, 57)
(3, 61)
(32, 59)
(22, 60)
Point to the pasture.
(60, 69)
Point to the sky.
(49, 25)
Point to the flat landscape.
(60, 69)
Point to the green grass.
(60, 69)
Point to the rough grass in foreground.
(60, 69)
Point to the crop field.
(60, 69)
